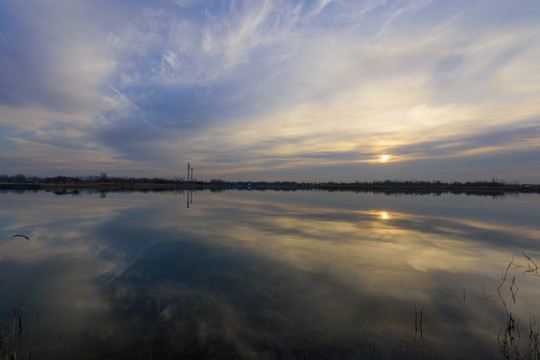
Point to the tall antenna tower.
(187, 179)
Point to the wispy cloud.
(288, 84)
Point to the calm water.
(269, 275)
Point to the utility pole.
(191, 174)
(187, 179)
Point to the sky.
(322, 90)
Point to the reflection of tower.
(191, 174)
(189, 197)
(187, 172)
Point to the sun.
(384, 158)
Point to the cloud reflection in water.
(263, 274)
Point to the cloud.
(517, 135)
(240, 83)
(52, 58)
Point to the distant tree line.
(101, 178)
(494, 185)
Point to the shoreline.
(482, 188)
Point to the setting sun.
(384, 158)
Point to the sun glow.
(384, 158)
(384, 215)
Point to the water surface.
(269, 275)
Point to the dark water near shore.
(269, 275)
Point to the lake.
(271, 275)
